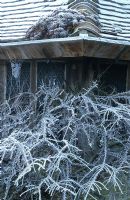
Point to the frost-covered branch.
(65, 146)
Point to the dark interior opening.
(112, 77)
(50, 74)
(73, 74)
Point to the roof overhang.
(81, 46)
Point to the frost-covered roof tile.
(16, 16)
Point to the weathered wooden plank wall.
(65, 48)
(2, 81)
(128, 77)
(42, 49)
(33, 76)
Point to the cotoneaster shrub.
(56, 145)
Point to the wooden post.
(65, 77)
(33, 76)
(128, 78)
(2, 81)
(33, 88)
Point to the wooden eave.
(81, 46)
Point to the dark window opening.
(112, 77)
(50, 74)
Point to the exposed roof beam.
(66, 47)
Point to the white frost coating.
(62, 2)
(16, 69)
(74, 146)
(22, 11)
(27, 12)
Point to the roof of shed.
(114, 16)
(16, 16)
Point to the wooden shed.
(97, 51)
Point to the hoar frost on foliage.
(16, 68)
(41, 150)
(59, 24)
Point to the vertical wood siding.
(2, 81)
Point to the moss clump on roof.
(61, 23)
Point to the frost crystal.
(16, 69)
(63, 146)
